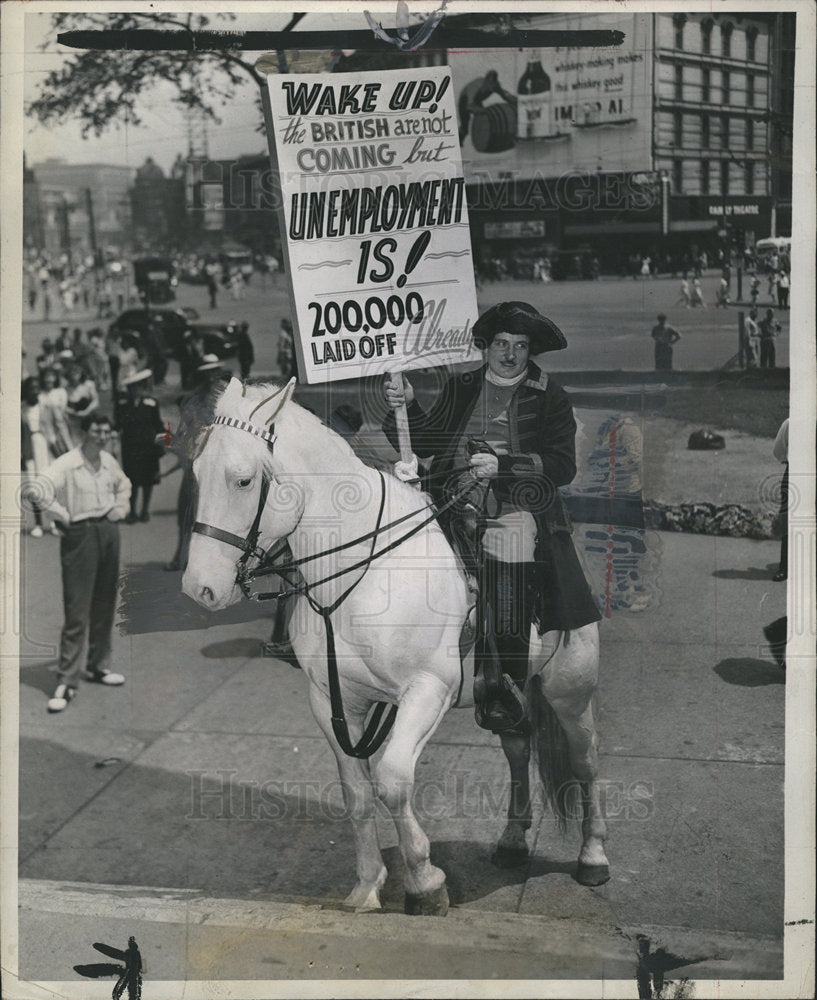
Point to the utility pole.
(89, 207)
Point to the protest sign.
(374, 221)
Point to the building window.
(750, 134)
(705, 138)
(751, 44)
(706, 35)
(724, 176)
(749, 176)
(726, 38)
(677, 176)
(704, 176)
(679, 83)
(750, 90)
(726, 92)
(705, 86)
(678, 129)
(679, 20)
(724, 131)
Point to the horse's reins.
(378, 728)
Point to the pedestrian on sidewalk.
(752, 341)
(783, 290)
(683, 298)
(244, 352)
(769, 330)
(195, 412)
(141, 432)
(664, 337)
(91, 494)
(781, 453)
(697, 293)
(723, 294)
(35, 454)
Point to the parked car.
(173, 325)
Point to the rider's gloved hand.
(394, 397)
(484, 465)
(407, 472)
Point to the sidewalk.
(204, 787)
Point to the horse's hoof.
(427, 904)
(510, 857)
(592, 874)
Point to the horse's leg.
(569, 690)
(360, 803)
(512, 848)
(421, 709)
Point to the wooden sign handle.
(401, 419)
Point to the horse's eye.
(244, 483)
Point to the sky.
(164, 132)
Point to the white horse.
(269, 470)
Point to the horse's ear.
(269, 408)
(233, 390)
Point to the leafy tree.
(104, 88)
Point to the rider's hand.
(394, 397)
(484, 465)
(407, 472)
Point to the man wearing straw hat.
(141, 435)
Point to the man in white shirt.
(91, 494)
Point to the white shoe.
(37, 532)
(55, 530)
(63, 693)
(107, 677)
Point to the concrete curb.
(685, 952)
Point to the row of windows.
(704, 38)
(710, 131)
(708, 177)
(738, 89)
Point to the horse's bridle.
(383, 715)
(249, 545)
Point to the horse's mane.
(255, 390)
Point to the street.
(607, 323)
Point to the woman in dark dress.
(141, 433)
(512, 428)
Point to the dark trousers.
(89, 555)
(767, 355)
(507, 593)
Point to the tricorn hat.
(519, 318)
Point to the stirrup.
(499, 709)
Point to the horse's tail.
(552, 755)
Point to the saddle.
(499, 705)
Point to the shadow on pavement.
(152, 601)
(748, 672)
(216, 831)
(40, 676)
(233, 648)
(752, 573)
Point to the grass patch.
(755, 411)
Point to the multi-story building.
(718, 81)
(680, 137)
(81, 204)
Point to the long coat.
(139, 423)
(542, 431)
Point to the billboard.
(545, 112)
(375, 222)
